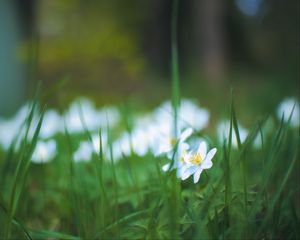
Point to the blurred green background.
(118, 51)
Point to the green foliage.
(134, 199)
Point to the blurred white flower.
(178, 163)
(266, 129)
(81, 114)
(8, 130)
(110, 115)
(87, 148)
(289, 107)
(155, 131)
(52, 124)
(84, 152)
(96, 143)
(168, 142)
(11, 128)
(121, 146)
(196, 162)
(189, 115)
(223, 133)
(175, 149)
(146, 132)
(44, 151)
(141, 141)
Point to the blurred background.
(119, 51)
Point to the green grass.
(248, 194)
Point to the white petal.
(202, 149)
(186, 157)
(180, 171)
(179, 164)
(182, 147)
(185, 134)
(165, 148)
(188, 172)
(206, 164)
(197, 175)
(185, 175)
(166, 167)
(210, 154)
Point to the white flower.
(52, 124)
(121, 146)
(287, 107)
(179, 163)
(8, 130)
(96, 142)
(140, 141)
(189, 115)
(81, 112)
(168, 143)
(14, 128)
(110, 115)
(196, 162)
(223, 133)
(147, 134)
(87, 148)
(176, 150)
(44, 151)
(155, 131)
(84, 152)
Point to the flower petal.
(186, 158)
(190, 170)
(166, 167)
(185, 134)
(180, 171)
(202, 149)
(197, 175)
(163, 149)
(206, 164)
(210, 154)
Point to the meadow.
(172, 172)
(102, 174)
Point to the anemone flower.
(44, 151)
(289, 108)
(197, 161)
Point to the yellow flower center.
(195, 159)
(173, 141)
